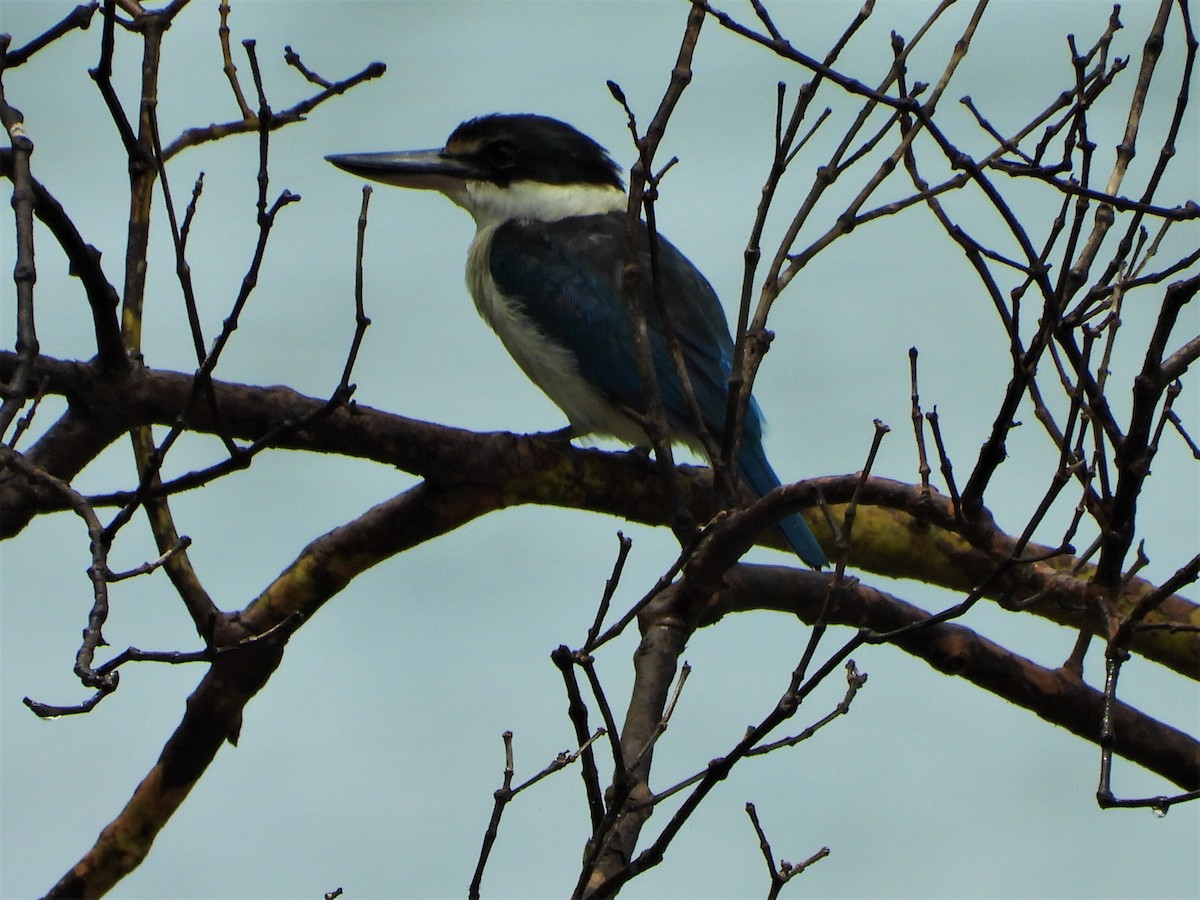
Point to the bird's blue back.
(566, 277)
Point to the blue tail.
(753, 465)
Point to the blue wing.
(565, 277)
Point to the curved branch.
(1054, 694)
(248, 647)
(84, 263)
(901, 532)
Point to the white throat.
(490, 204)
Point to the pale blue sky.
(369, 760)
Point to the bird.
(544, 270)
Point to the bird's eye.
(500, 155)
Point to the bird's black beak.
(421, 169)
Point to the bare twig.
(786, 871)
(506, 792)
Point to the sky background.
(369, 760)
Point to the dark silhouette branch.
(900, 533)
(1054, 694)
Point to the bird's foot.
(561, 436)
(639, 452)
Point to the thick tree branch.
(902, 532)
(1054, 694)
(248, 647)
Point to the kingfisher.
(544, 270)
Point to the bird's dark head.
(508, 148)
(505, 166)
